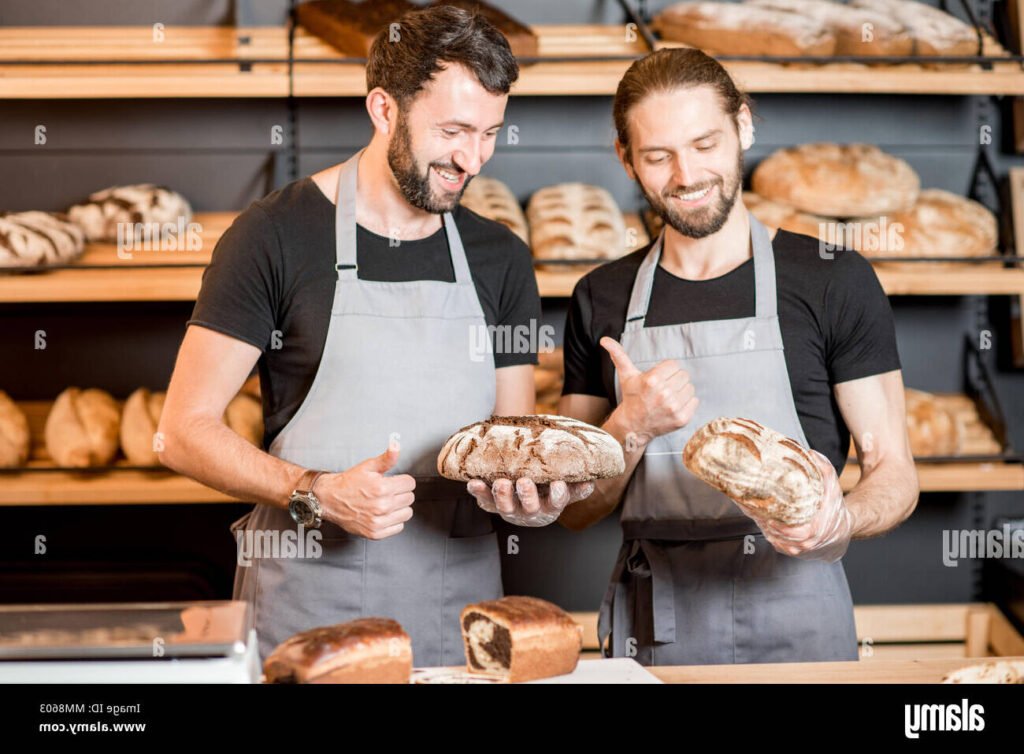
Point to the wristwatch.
(303, 505)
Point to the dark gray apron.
(397, 361)
(695, 581)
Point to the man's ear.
(383, 110)
(623, 154)
(745, 124)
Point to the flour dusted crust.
(29, 239)
(576, 221)
(998, 671)
(744, 29)
(837, 180)
(491, 198)
(366, 650)
(847, 24)
(520, 639)
(772, 475)
(934, 429)
(105, 210)
(140, 418)
(934, 32)
(82, 428)
(942, 224)
(15, 440)
(543, 448)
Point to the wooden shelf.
(125, 78)
(136, 279)
(140, 487)
(132, 66)
(956, 477)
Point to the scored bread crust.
(888, 36)
(140, 418)
(762, 470)
(544, 639)
(743, 29)
(365, 650)
(576, 221)
(837, 180)
(491, 198)
(82, 428)
(543, 448)
(998, 671)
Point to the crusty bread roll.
(491, 198)
(520, 639)
(28, 239)
(933, 429)
(996, 671)
(126, 206)
(848, 24)
(743, 29)
(15, 441)
(82, 428)
(576, 221)
(245, 416)
(775, 215)
(762, 470)
(543, 448)
(140, 418)
(837, 180)
(366, 650)
(941, 224)
(933, 31)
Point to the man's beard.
(415, 186)
(706, 220)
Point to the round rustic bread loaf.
(82, 428)
(760, 469)
(837, 180)
(140, 418)
(543, 448)
(15, 441)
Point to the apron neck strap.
(345, 228)
(764, 277)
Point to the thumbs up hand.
(655, 402)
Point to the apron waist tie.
(642, 560)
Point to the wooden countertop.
(865, 671)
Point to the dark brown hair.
(430, 38)
(666, 70)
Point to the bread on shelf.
(491, 198)
(15, 441)
(140, 418)
(115, 213)
(848, 24)
(32, 239)
(576, 221)
(82, 428)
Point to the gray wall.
(218, 152)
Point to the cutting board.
(618, 670)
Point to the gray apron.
(396, 361)
(695, 581)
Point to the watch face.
(300, 510)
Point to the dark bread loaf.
(520, 37)
(543, 448)
(520, 639)
(366, 650)
(762, 470)
(349, 26)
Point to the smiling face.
(686, 153)
(443, 137)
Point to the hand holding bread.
(655, 402)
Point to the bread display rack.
(244, 60)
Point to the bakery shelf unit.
(287, 61)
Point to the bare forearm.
(607, 493)
(883, 498)
(206, 450)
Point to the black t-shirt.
(271, 284)
(835, 319)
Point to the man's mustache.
(675, 190)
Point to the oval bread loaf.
(82, 428)
(15, 441)
(762, 470)
(139, 420)
(543, 448)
